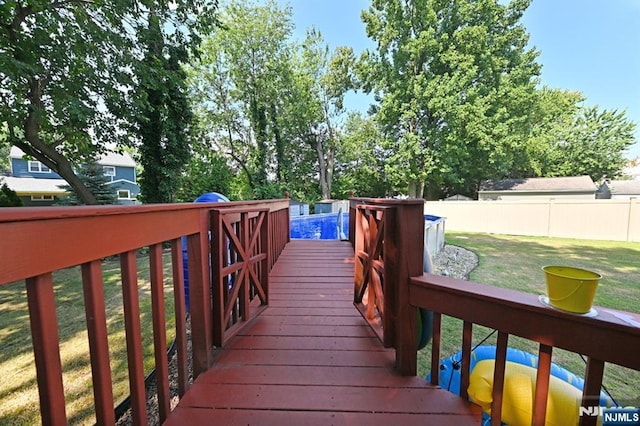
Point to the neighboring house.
(619, 189)
(37, 185)
(574, 187)
(458, 197)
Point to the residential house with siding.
(620, 189)
(571, 187)
(37, 185)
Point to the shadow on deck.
(310, 358)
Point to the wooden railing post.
(410, 263)
(390, 283)
(200, 295)
(352, 221)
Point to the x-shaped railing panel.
(239, 243)
(372, 224)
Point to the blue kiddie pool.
(209, 197)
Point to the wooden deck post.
(410, 249)
(200, 296)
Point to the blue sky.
(591, 46)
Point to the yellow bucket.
(571, 289)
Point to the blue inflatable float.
(207, 197)
(565, 388)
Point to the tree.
(361, 159)
(206, 172)
(237, 83)
(65, 74)
(316, 97)
(9, 197)
(93, 178)
(454, 83)
(593, 145)
(569, 138)
(163, 115)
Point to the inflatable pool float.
(565, 388)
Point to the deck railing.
(387, 254)
(388, 240)
(607, 337)
(39, 241)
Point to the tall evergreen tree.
(93, 178)
(8, 197)
(163, 116)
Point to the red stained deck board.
(310, 282)
(303, 375)
(306, 343)
(264, 357)
(319, 272)
(335, 293)
(201, 416)
(310, 358)
(310, 331)
(324, 311)
(310, 294)
(309, 303)
(325, 398)
(309, 320)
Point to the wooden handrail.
(387, 235)
(39, 241)
(522, 314)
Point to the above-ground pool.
(334, 226)
(323, 226)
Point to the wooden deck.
(310, 358)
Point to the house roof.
(632, 172)
(107, 159)
(35, 186)
(458, 197)
(624, 187)
(554, 184)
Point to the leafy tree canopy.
(66, 70)
(454, 83)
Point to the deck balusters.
(44, 333)
(93, 291)
(131, 304)
(63, 237)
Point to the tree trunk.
(281, 161)
(325, 190)
(47, 154)
(416, 189)
(58, 164)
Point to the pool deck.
(310, 358)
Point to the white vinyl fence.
(615, 220)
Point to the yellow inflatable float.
(565, 388)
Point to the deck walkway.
(311, 359)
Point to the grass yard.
(515, 262)
(18, 389)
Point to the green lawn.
(515, 262)
(18, 389)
